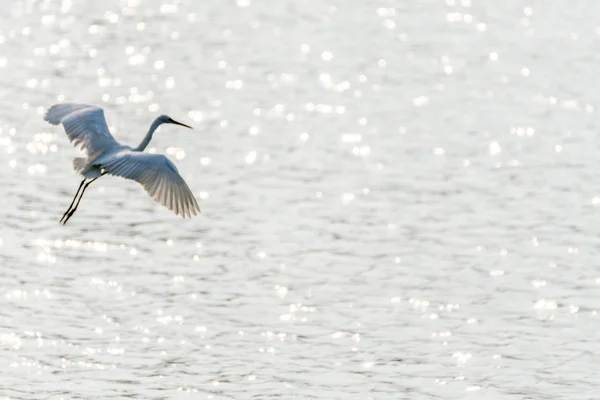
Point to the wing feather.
(84, 125)
(157, 175)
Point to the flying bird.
(86, 128)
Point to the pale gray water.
(400, 201)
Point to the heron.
(86, 128)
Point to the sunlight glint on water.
(398, 201)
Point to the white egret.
(86, 127)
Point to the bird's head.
(165, 119)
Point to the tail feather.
(79, 164)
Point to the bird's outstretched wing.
(157, 175)
(85, 126)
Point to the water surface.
(399, 201)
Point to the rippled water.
(399, 201)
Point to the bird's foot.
(64, 216)
(68, 215)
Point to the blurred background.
(399, 201)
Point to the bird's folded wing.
(158, 176)
(85, 126)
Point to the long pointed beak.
(179, 123)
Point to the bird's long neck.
(148, 136)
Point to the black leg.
(73, 202)
(72, 211)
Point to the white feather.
(84, 125)
(156, 174)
